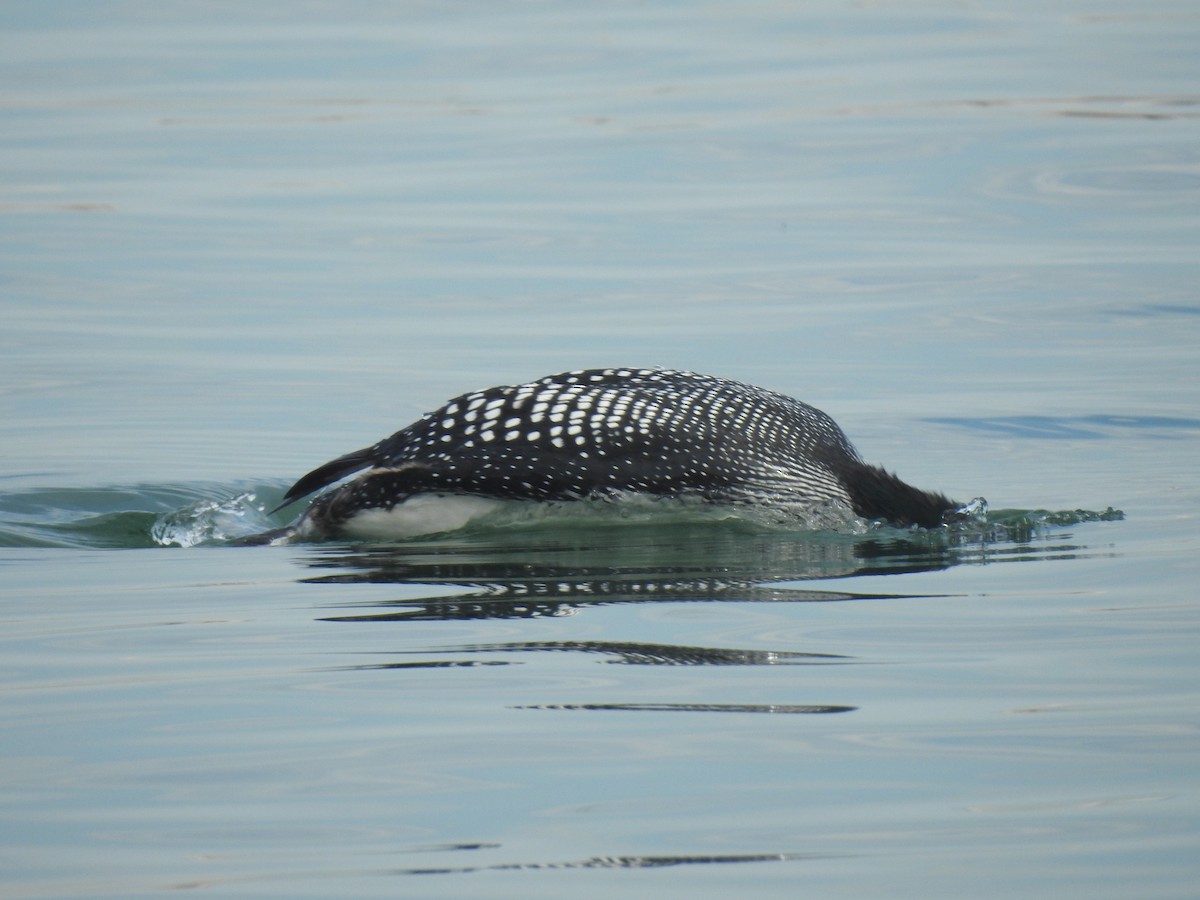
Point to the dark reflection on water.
(633, 653)
(626, 653)
(539, 572)
(540, 599)
(536, 572)
(537, 575)
(626, 862)
(806, 709)
(532, 574)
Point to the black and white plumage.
(605, 433)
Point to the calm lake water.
(238, 240)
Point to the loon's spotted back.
(605, 432)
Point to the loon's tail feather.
(327, 474)
(878, 494)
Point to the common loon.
(603, 433)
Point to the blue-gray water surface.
(238, 240)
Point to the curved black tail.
(878, 494)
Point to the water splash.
(975, 511)
(210, 521)
(1024, 525)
